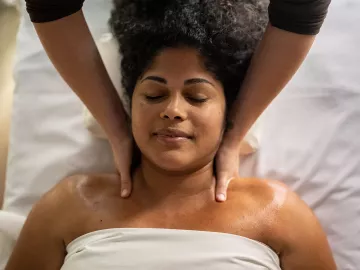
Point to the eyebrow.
(155, 78)
(187, 82)
(197, 80)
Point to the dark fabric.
(41, 11)
(298, 16)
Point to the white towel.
(160, 249)
(10, 227)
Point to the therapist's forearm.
(73, 52)
(276, 60)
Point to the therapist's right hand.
(122, 150)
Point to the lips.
(172, 137)
(172, 133)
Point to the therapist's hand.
(227, 168)
(122, 150)
(277, 58)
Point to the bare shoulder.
(71, 197)
(41, 241)
(258, 203)
(89, 187)
(285, 204)
(77, 186)
(260, 192)
(292, 228)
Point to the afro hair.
(225, 33)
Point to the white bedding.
(308, 136)
(48, 139)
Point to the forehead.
(180, 62)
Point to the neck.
(159, 185)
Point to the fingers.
(221, 187)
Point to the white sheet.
(48, 139)
(309, 136)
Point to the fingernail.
(124, 193)
(221, 197)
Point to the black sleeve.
(298, 16)
(50, 10)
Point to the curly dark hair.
(225, 32)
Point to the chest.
(233, 217)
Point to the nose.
(174, 110)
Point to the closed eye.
(197, 100)
(154, 98)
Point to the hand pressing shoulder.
(292, 229)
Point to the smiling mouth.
(172, 136)
(171, 140)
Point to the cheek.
(211, 123)
(143, 119)
(140, 118)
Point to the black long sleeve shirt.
(297, 16)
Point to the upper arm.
(40, 245)
(305, 242)
(41, 11)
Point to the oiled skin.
(262, 210)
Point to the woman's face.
(178, 110)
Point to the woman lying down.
(183, 63)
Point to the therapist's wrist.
(120, 135)
(116, 121)
(232, 139)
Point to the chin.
(173, 165)
(172, 162)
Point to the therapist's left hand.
(227, 169)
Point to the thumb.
(126, 184)
(221, 186)
(125, 179)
